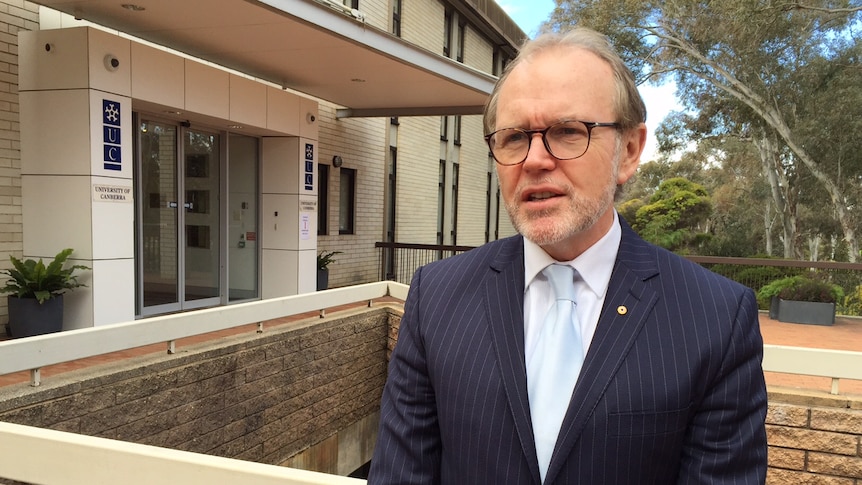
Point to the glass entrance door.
(179, 242)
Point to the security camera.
(310, 118)
(111, 62)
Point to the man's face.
(564, 205)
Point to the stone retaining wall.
(260, 397)
(814, 438)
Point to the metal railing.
(398, 262)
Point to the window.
(444, 128)
(347, 201)
(447, 34)
(455, 170)
(457, 129)
(322, 199)
(396, 17)
(462, 29)
(441, 200)
(352, 4)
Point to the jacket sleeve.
(726, 443)
(408, 449)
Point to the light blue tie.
(555, 364)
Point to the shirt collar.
(595, 265)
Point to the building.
(201, 153)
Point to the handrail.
(74, 459)
(835, 364)
(33, 353)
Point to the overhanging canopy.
(314, 47)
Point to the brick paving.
(845, 334)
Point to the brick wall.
(14, 16)
(814, 439)
(260, 397)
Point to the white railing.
(835, 364)
(48, 457)
(33, 353)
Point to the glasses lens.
(568, 139)
(509, 146)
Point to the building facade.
(190, 174)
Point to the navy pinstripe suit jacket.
(671, 390)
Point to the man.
(667, 356)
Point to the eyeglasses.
(564, 140)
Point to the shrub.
(800, 288)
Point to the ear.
(633, 141)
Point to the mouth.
(539, 196)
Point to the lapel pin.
(622, 310)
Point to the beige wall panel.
(103, 48)
(280, 269)
(282, 111)
(286, 225)
(478, 52)
(111, 283)
(63, 66)
(279, 226)
(157, 76)
(283, 160)
(57, 214)
(309, 118)
(247, 101)
(113, 287)
(55, 132)
(207, 90)
(113, 218)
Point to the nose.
(538, 156)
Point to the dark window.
(462, 29)
(352, 4)
(347, 201)
(322, 199)
(447, 34)
(396, 17)
(457, 129)
(454, 233)
(441, 200)
(444, 128)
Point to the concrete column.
(76, 164)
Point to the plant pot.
(28, 318)
(814, 313)
(322, 279)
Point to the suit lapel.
(504, 299)
(627, 305)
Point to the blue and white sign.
(309, 166)
(111, 135)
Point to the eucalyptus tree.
(762, 55)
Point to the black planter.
(322, 279)
(814, 313)
(28, 318)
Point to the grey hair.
(628, 104)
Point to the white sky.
(660, 100)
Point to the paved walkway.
(846, 334)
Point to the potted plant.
(801, 299)
(324, 259)
(36, 294)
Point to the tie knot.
(562, 278)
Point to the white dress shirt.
(594, 267)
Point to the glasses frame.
(530, 134)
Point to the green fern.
(32, 279)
